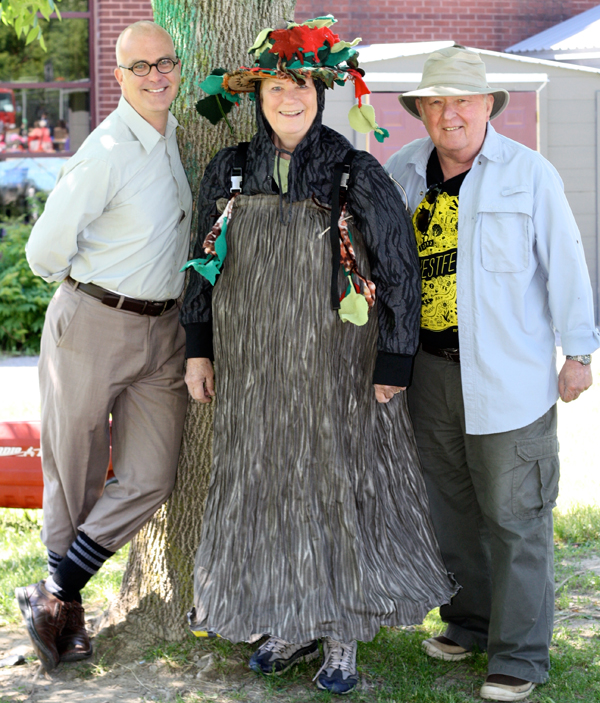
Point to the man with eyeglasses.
(502, 268)
(115, 231)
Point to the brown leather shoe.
(73, 643)
(45, 616)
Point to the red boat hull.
(21, 479)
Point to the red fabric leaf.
(360, 87)
(300, 40)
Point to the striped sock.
(54, 560)
(83, 560)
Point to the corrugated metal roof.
(579, 32)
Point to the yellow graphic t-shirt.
(436, 229)
(437, 255)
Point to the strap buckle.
(345, 177)
(236, 180)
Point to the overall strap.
(341, 175)
(239, 166)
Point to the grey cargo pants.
(491, 498)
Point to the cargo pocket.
(535, 477)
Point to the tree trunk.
(157, 588)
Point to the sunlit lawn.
(393, 667)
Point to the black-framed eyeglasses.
(424, 215)
(143, 68)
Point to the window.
(49, 92)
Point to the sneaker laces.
(340, 655)
(276, 645)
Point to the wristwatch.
(585, 359)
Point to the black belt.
(449, 354)
(122, 302)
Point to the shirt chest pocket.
(506, 230)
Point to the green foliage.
(67, 52)
(579, 525)
(24, 296)
(22, 16)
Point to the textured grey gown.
(316, 521)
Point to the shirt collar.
(421, 157)
(144, 131)
(492, 145)
(491, 149)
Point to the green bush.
(24, 297)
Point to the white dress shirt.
(521, 274)
(119, 215)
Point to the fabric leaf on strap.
(215, 245)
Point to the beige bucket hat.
(453, 71)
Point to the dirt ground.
(125, 681)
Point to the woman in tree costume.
(316, 523)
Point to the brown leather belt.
(449, 354)
(122, 302)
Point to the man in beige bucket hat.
(502, 268)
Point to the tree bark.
(157, 588)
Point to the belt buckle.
(450, 354)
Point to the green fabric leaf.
(212, 108)
(381, 133)
(340, 57)
(323, 21)
(221, 244)
(209, 268)
(344, 45)
(354, 308)
(260, 40)
(362, 119)
(268, 60)
(212, 84)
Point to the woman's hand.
(383, 394)
(200, 379)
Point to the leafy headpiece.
(299, 50)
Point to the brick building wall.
(485, 24)
(112, 17)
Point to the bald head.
(135, 31)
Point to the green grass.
(23, 561)
(580, 524)
(393, 667)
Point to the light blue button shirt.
(119, 215)
(521, 275)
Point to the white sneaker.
(437, 648)
(338, 673)
(505, 688)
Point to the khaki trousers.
(491, 498)
(97, 361)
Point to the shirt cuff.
(393, 369)
(198, 340)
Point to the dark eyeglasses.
(424, 215)
(143, 68)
